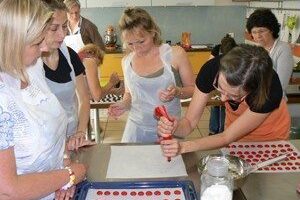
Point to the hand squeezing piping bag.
(160, 111)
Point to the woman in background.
(81, 31)
(33, 123)
(92, 57)
(251, 91)
(64, 75)
(154, 74)
(263, 26)
(217, 113)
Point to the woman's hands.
(169, 94)
(170, 148)
(79, 171)
(65, 194)
(165, 127)
(117, 109)
(114, 79)
(118, 90)
(78, 140)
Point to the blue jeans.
(217, 119)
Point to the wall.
(208, 24)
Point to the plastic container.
(216, 183)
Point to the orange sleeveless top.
(275, 127)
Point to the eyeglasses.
(230, 97)
(259, 31)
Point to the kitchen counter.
(113, 59)
(266, 186)
(119, 50)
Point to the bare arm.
(181, 62)
(246, 123)
(91, 70)
(34, 185)
(195, 110)
(117, 109)
(84, 103)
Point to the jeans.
(217, 119)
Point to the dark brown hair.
(227, 43)
(264, 18)
(251, 68)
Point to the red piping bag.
(161, 111)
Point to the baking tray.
(186, 186)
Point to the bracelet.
(72, 179)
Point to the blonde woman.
(65, 77)
(92, 57)
(33, 123)
(154, 74)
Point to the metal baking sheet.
(146, 189)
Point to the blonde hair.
(133, 18)
(71, 3)
(92, 50)
(21, 23)
(55, 5)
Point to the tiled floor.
(113, 129)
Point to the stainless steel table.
(263, 186)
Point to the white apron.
(66, 95)
(74, 41)
(141, 126)
(40, 124)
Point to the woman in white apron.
(64, 73)
(32, 136)
(151, 72)
(81, 31)
(75, 40)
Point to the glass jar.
(216, 183)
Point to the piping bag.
(161, 111)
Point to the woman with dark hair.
(251, 91)
(263, 26)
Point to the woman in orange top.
(251, 90)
